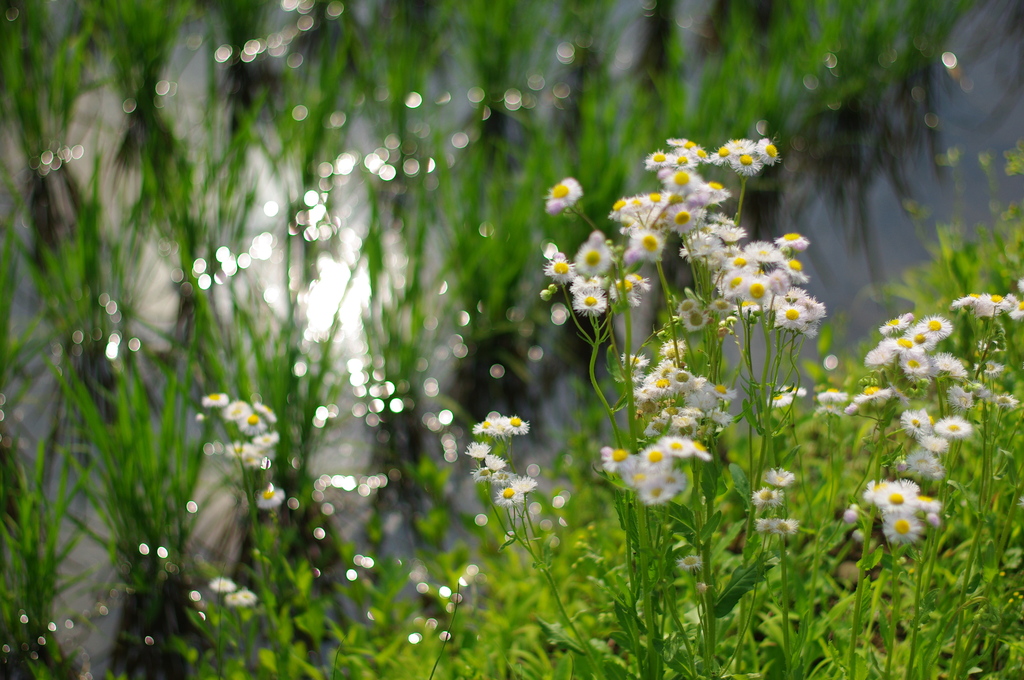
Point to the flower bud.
(851, 514)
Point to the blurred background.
(335, 208)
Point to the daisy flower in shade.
(1005, 401)
(237, 411)
(902, 528)
(509, 498)
(767, 525)
(873, 393)
(659, 489)
(559, 269)
(216, 400)
(646, 245)
(896, 326)
(787, 527)
(935, 327)
(253, 425)
(767, 497)
(517, 426)
(832, 396)
(223, 585)
(767, 152)
(265, 412)
(681, 182)
(242, 598)
(590, 304)
(255, 459)
(683, 447)
(953, 427)
(478, 450)
(916, 423)
(1017, 313)
(993, 369)
(950, 365)
(611, 458)
(563, 195)
(269, 498)
(895, 496)
(746, 164)
(523, 484)
(959, 399)
(690, 563)
(266, 440)
(778, 477)
(933, 443)
(493, 426)
(594, 257)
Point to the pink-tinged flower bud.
(632, 256)
(902, 467)
(850, 410)
(850, 516)
(702, 587)
(606, 451)
(933, 519)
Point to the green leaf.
(870, 560)
(710, 527)
(563, 671)
(558, 637)
(743, 580)
(684, 521)
(740, 482)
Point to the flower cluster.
(771, 498)
(510, 488)
(652, 472)
(254, 441)
(901, 504)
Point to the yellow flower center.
(619, 205)
(681, 178)
(659, 158)
(655, 456)
(702, 153)
(892, 322)
(997, 298)
(662, 383)
(792, 314)
(902, 526)
(723, 152)
(560, 191)
(896, 498)
(925, 499)
(689, 145)
(792, 236)
(253, 419)
(904, 343)
(700, 447)
(590, 301)
(796, 266)
(619, 455)
(871, 390)
(919, 339)
(934, 325)
(721, 389)
(682, 217)
(740, 262)
(771, 150)
(639, 477)
(515, 421)
(561, 268)
(655, 198)
(757, 290)
(953, 427)
(212, 396)
(913, 363)
(508, 493)
(593, 258)
(268, 493)
(736, 281)
(1021, 306)
(650, 243)
(746, 159)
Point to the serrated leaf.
(740, 482)
(684, 521)
(743, 580)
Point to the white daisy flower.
(218, 400)
(767, 497)
(269, 498)
(594, 257)
(690, 563)
(478, 450)
(779, 477)
(237, 411)
(253, 425)
(242, 598)
(899, 528)
(953, 427)
(223, 585)
(266, 440)
(563, 195)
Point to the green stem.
(894, 619)
(916, 623)
(785, 606)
